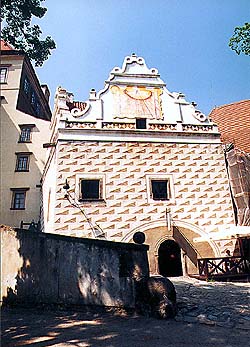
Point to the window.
(26, 130)
(160, 188)
(18, 198)
(26, 86)
(90, 187)
(38, 108)
(25, 134)
(33, 98)
(22, 161)
(3, 74)
(141, 123)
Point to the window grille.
(22, 162)
(25, 135)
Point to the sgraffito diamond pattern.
(201, 189)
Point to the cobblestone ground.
(213, 303)
(210, 315)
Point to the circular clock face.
(138, 93)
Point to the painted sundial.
(137, 102)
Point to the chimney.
(46, 91)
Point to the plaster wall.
(11, 118)
(46, 268)
(200, 190)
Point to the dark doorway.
(169, 259)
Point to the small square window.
(141, 123)
(90, 189)
(18, 198)
(25, 135)
(160, 189)
(3, 74)
(22, 161)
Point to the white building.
(138, 158)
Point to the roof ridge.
(232, 103)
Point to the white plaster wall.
(201, 190)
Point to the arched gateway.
(169, 259)
(172, 252)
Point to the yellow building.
(25, 121)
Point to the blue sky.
(186, 40)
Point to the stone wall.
(47, 268)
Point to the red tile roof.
(6, 46)
(233, 121)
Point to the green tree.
(16, 17)
(240, 41)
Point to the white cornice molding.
(136, 136)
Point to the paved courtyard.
(210, 314)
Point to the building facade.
(136, 159)
(25, 122)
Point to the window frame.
(6, 68)
(33, 97)
(170, 187)
(25, 127)
(153, 189)
(88, 177)
(22, 168)
(26, 86)
(15, 203)
(140, 120)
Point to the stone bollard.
(156, 296)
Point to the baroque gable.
(133, 92)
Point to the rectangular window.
(18, 198)
(90, 189)
(3, 74)
(26, 86)
(38, 108)
(26, 130)
(22, 161)
(160, 189)
(141, 123)
(33, 98)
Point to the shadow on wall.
(57, 269)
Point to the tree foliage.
(240, 41)
(16, 17)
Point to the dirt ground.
(48, 327)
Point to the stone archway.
(157, 232)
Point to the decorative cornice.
(88, 132)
